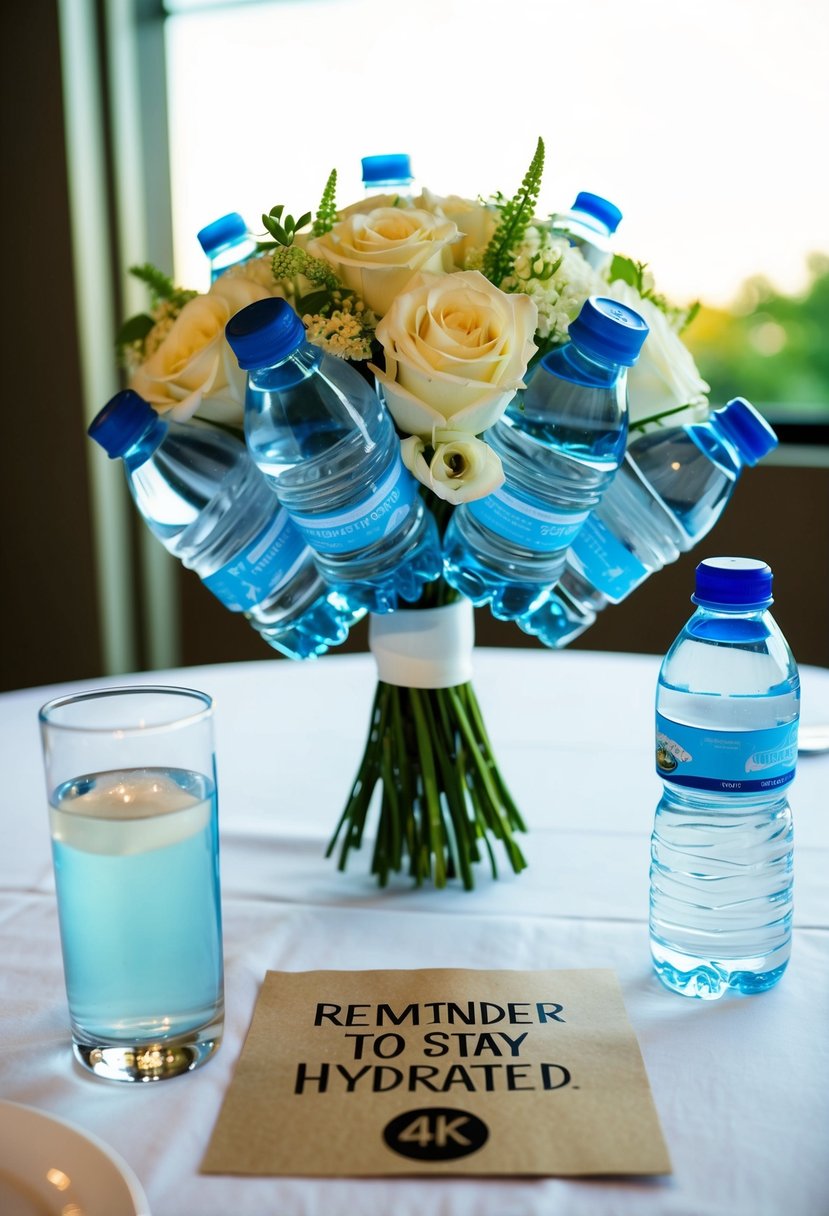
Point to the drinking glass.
(131, 784)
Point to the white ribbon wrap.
(424, 647)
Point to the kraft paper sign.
(439, 1072)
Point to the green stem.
(441, 792)
(643, 422)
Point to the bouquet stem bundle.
(442, 801)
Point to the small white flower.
(556, 277)
(462, 468)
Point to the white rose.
(462, 468)
(456, 349)
(665, 376)
(475, 221)
(257, 269)
(372, 202)
(377, 253)
(194, 368)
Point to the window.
(694, 121)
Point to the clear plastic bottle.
(329, 449)
(203, 497)
(560, 446)
(727, 710)
(672, 488)
(590, 225)
(389, 174)
(226, 242)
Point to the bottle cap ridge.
(747, 430)
(264, 333)
(611, 330)
(394, 167)
(733, 582)
(121, 422)
(222, 232)
(599, 208)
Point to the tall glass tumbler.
(131, 783)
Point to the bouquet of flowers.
(446, 305)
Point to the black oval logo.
(435, 1133)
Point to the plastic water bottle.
(390, 174)
(203, 497)
(226, 242)
(727, 709)
(589, 225)
(329, 449)
(672, 488)
(560, 446)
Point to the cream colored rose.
(377, 253)
(665, 375)
(194, 369)
(476, 222)
(372, 201)
(456, 349)
(462, 468)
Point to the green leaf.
(628, 271)
(275, 229)
(690, 315)
(327, 209)
(516, 217)
(161, 285)
(134, 330)
(312, 302)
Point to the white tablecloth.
(741, 1085)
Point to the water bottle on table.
(329, 449)
(589, 225)
(226, 242)
(727, 710)
(671, 489)
(560, 445)
(203, 497)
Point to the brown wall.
(779, 514)
(50, 621)
(50, 624)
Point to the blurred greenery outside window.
(774, 347)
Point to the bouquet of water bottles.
(409, 407)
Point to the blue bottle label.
(723, 760)
(606, 562)
(528, 522)
(266, 564)
(367, 521)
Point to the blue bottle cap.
(610, 330)
(600, 208)
(121, 423)
(733, 582)
(222, 232)
(747, 429)
(395, 167)
(264, 333)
